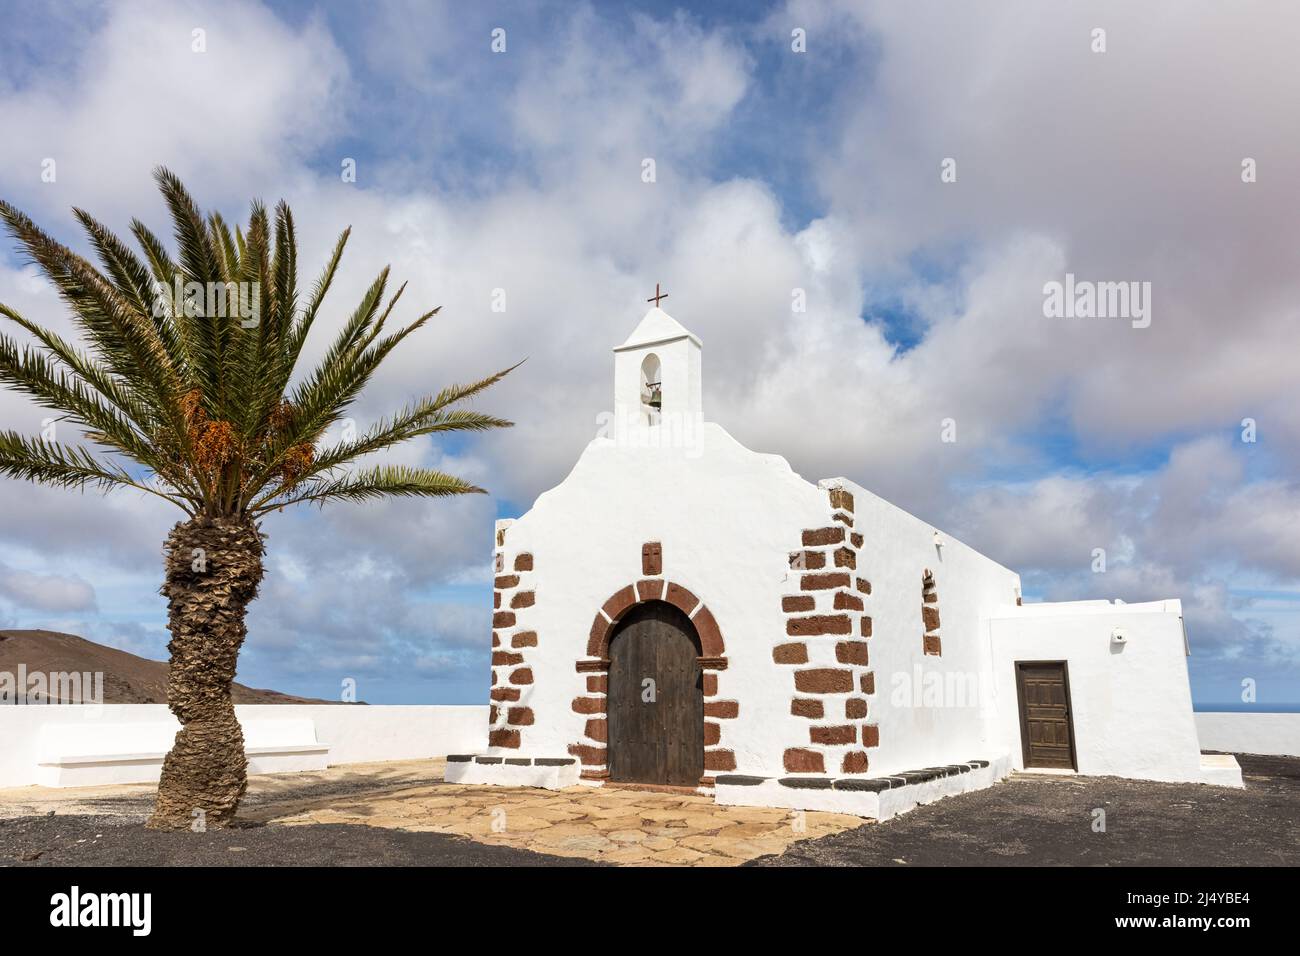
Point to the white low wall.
(1275, 735)
(355, 733)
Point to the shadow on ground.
(97, 841)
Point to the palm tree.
(200, 406)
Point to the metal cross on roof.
(657, 296)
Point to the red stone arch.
(592, 748)
(712, 649)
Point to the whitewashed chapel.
(683, 611)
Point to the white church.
(682, 611)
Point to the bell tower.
(657, 372)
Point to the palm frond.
(132, 279)
(198, 255)
(323, 399)
(249, 345)
(428, 416)
(125, 340)
(67, 466)
(31, 372)
(303, 325)
(89, 371)
(204, 338)
(380, 482)
(197, 396)
(225, 243)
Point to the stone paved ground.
(607, 824)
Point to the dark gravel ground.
(1048, 821)
(1025, 821)
(121, 841)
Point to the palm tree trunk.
(213, 568)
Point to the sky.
(918, 171)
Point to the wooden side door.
(655, 708)
(1046, 729)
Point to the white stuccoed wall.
(355, 733)
(727, 518)
(1131, 705)
(1271, 734)
(897, 549)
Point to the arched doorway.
(655, 698)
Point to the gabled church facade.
(681, 611)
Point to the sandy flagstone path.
(611, 824)
(608, 824)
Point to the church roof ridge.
(657, 326)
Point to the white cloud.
(139, 95)
(1128, 162)
(1117, 166)
(53, 593)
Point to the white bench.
(90, 752)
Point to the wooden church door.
(1046, 730)
(656, 698)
